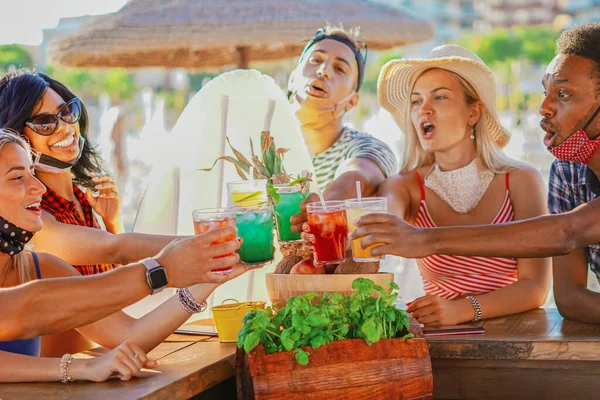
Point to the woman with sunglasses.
(55, 123)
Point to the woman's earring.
(473, 132)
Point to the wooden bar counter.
(534, 355)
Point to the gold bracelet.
(65, 361)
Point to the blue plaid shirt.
(571, 185)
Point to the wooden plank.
(176, 337)
(515, 380)
(535, 335)
(179, 375)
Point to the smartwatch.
(156, 275)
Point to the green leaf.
(286, 340)
(305, 329)
(276, 164)
(252, 340)
(301, 357)
(317, 342)
(273, 193)
(371, 330)
(317, 319)
(363, 286)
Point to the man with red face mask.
(322, 89)
(571, 120)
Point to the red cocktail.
(328, 225)
(209, 219)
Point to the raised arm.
(148, 331)
(45, 306)
(364, 170)
(95, 246)
(545, 236)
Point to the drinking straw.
(224, 109)
(320, 193)
(269, 115)
(358, 193)
(251, 174)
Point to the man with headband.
(322, 89)
(571, 121)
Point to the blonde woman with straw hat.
(454, 172)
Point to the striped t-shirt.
(353, 144)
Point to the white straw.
(269, 115)
(251, 174)
(358, 193)
(320, 193)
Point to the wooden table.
(188, 365)
(532, 355)
(526, 356)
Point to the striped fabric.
(353, 144)
(453, 276)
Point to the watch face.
(158, 278)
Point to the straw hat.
(398, 77)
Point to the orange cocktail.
(356, 208)
(206, 220)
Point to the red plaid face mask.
(578, 147)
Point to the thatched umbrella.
(203, 33)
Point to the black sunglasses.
(46, 124)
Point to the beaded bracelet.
(476, 308)
(188, 303)
(65, 361)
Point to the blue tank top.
(28, 347)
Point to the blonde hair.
(490, 153)
(20, 261)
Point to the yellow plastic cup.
(228, 317)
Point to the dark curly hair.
(21, 91)
(583, 41)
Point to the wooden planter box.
(345, 369)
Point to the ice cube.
(246, 217)
(327, 229)
(263, 216)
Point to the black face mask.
(46, 163)
(13, 238)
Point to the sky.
(23, 20)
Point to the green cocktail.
(290, 198)
(255, 227)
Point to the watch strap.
(151, 264)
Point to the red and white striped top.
(453, 276)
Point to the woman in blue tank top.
(28, 347)
(130, 339)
